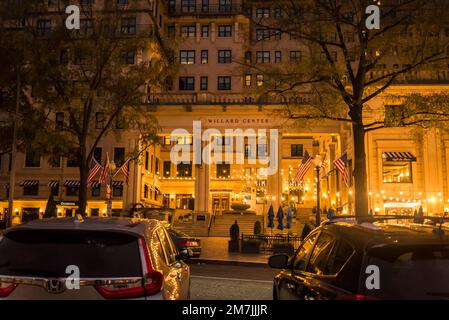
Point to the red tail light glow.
(6, 289)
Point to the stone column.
(275, 181)
(202, 188)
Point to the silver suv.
(94, 258)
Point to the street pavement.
(227, 282)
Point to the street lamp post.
(112, 168)
(317, 162)
(12, 176)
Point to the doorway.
(220, 202)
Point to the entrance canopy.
(399, 156)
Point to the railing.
(224, 99)
(205, 10)
(267, 241)
(211, 220)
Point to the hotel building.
(211, 39)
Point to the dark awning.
(29, 183)
(117, 183)
(95, 185)
(53, 183)
(71, 183)
(399, 156)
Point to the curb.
(229, 262)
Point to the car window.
(418, 271)
(157, 247)
(341, 252)
(166, 245)
(47, 253)
(172, 243)
(319, 257)
(300, 260)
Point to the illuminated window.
(397, 167)
(260, 80)
(223, 170)
(248, 80)
(184, 170)
(187, 57)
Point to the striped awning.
(53, 183)
(117, 183)
(71, 183)
(399, 156)
(95, 185)
(29, 183)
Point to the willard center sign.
(237, 121)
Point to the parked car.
(117, 258)
(184, 241)
(343, 259)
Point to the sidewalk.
(215, 250)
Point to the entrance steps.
(193, 229)
(222, 223)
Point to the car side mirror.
(279, 261)
(185, 254)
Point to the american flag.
(94, 170)
(124, 168)
(105, 171)
(303, 167)
(324, 167)
(342, 166)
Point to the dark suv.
(376, 259)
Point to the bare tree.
(341, 65)
(97, 76)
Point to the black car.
(184, 241)
(378, 259)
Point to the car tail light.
(6, 289)
(192, 243)
(182, 243)
(151, 284)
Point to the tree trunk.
(360, 174)
(82, 197)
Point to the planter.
(233, 246)
(283, 248)
(251, 246)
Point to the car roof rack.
(373, 218)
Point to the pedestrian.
(419, 216)
(331, 213)
(308, 227)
